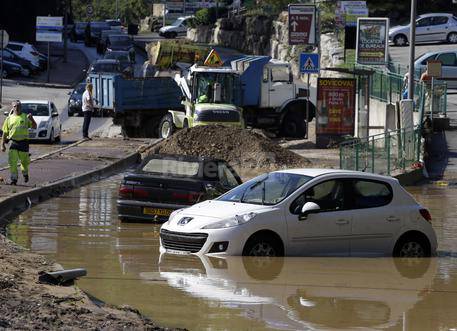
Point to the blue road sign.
(309, 63)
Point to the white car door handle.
(342, 222)
(392, 219)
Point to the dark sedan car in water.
(164, 183)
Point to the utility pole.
(65, 34)
(412, 44)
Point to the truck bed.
(114, 92)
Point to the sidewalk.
(70, 167)
(63, 75)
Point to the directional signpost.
(4, 40)
(49, 29)
(302, 24)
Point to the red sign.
(335, 106)
(302, 25)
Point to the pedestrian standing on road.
(16, 129)
(88, 108)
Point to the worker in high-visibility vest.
(16, 129)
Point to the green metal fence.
(382, 154)
(387, 86)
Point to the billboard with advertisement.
(335, 106)
(372, 41)
(347, 12)
(302, 24)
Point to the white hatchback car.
(305, 212)
(429, 28)
(26, 51)
(46, 117)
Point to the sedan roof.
(435, 14)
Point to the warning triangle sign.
(309, 64)
(213, 59)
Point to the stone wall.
(261, 35)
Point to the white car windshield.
(177, 22)
(36, 109)
(268, 189)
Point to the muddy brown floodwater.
(81, 229)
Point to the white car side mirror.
(308, 208)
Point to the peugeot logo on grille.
(185, 220)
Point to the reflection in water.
(80, 229)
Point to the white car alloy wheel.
(400, 40)
(452, 38)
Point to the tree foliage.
(130, 11)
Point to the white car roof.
(315, 172)
(435, 14)
(44, 102)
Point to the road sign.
(4, 38)
(49, 28)
(434, 68)
(89, 10)
(213, 60)
(302, 24)
(309, 63)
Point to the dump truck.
(136, 104)
(271, 99)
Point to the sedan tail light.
(125, 191)
(140, 193)
(191, 197)
(426, 215)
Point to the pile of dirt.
(26, 304)
(243, 149)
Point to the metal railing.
(383, 153)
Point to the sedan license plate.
(157, 211)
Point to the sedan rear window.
(172, 167)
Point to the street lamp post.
(412, 44)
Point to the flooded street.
(81, 229)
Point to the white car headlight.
(230, 222)
(173, 214)
(43, 124)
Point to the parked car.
(306, 212)
(429, 28)
(47, 118)
(121, 42)
(75, 100)
(448, 60)
(164, 183)
(106, 66)
(123, 57)
(25, 51)
(12, 69)
(96, 29)
(177, 28)
(78, 31)
(29, 68)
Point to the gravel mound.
(243, 149)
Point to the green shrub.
(209, 16)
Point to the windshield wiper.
(253, 186)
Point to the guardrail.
(383, 153)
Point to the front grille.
(189, 242)
(218, 115)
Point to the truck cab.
(272, 100)
(211, 96)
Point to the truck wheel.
(293, 125)
(166, 126)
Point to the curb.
(17, 203)
(38, 84)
